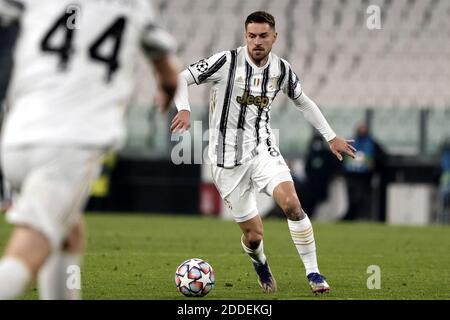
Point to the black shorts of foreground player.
(244, 154)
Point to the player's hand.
(340, 146)
(181, 122)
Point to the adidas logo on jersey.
(240, 80)
(248, 99)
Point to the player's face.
(260, 38)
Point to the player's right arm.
(160, 48)
(204, 71)
(166, 68)
(10, 12)
(182, 121)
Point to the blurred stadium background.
(395, 79)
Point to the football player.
(72, 79)
(244, 155)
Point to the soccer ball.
(195, 278)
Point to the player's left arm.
(313, 115)
(10, 12)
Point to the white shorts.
(50, 187)
(238, 186)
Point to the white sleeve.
(209, 69)
(10, 11)
(181, 98)
(314, 116)
(155, 41)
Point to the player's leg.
(25, 253)
(242, 203)
(253, 245)
(301, 231)
(252, 239)
(236, 188)
(28, 246)
(53, 277)
(51, 193)
(56, 279)
(272, 175)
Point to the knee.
(75, 242)
(253, 238)
(292, 208)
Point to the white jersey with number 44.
(73, 72)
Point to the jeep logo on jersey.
(248, 99)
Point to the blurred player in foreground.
(72, 80)
(242, 148)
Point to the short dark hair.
(260, 17)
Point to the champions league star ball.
(195, 278)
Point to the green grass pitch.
(135, 256)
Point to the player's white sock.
(257, 255)
(303, 236)
(15, 277)
(54, 276)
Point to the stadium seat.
(341, 63)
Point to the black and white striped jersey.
(240, 102)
